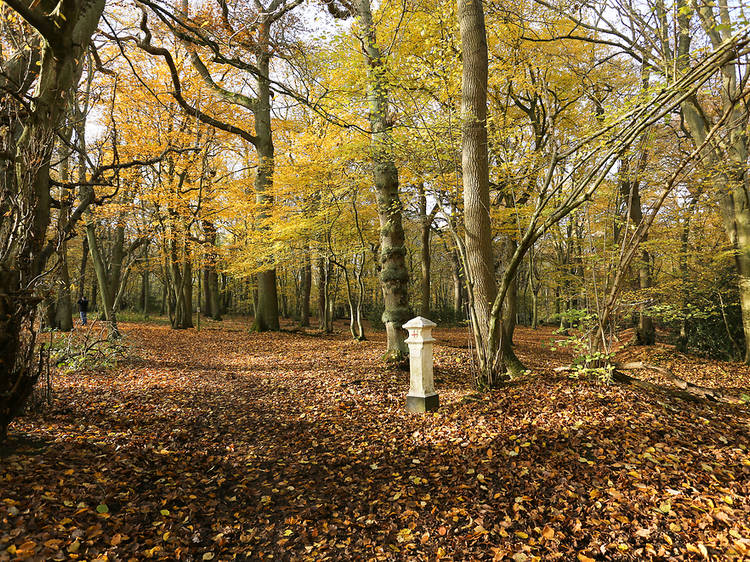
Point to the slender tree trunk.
(82, 270)
(324, 319)
(94, 293)
(304, 319)
(511, 362)
(214, 294)
(684, 273)
(102, 279)
(64, 308)
(187, 290)
(630, 193)
(425, 254)
(458, 284)
(206, 288)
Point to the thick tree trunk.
(394, 276)
(742, 259)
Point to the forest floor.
(223, 444)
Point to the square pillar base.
(422, 403)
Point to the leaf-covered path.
(223, 444)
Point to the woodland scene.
(374, 280)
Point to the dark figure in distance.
(83, 308)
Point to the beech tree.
(35, 90)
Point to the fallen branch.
(685, 390)
(712, 394)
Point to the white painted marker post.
(422, 396)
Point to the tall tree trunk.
(212, 295)
(25, 195)
(726, 157)
(477, 232)
(267, 312)
(394, 276)
(182, 283)
(684, 272)
(304, 319)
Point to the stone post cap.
(419, 322)
(420, 330)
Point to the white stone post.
(422, 396)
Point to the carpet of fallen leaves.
(223, 444)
